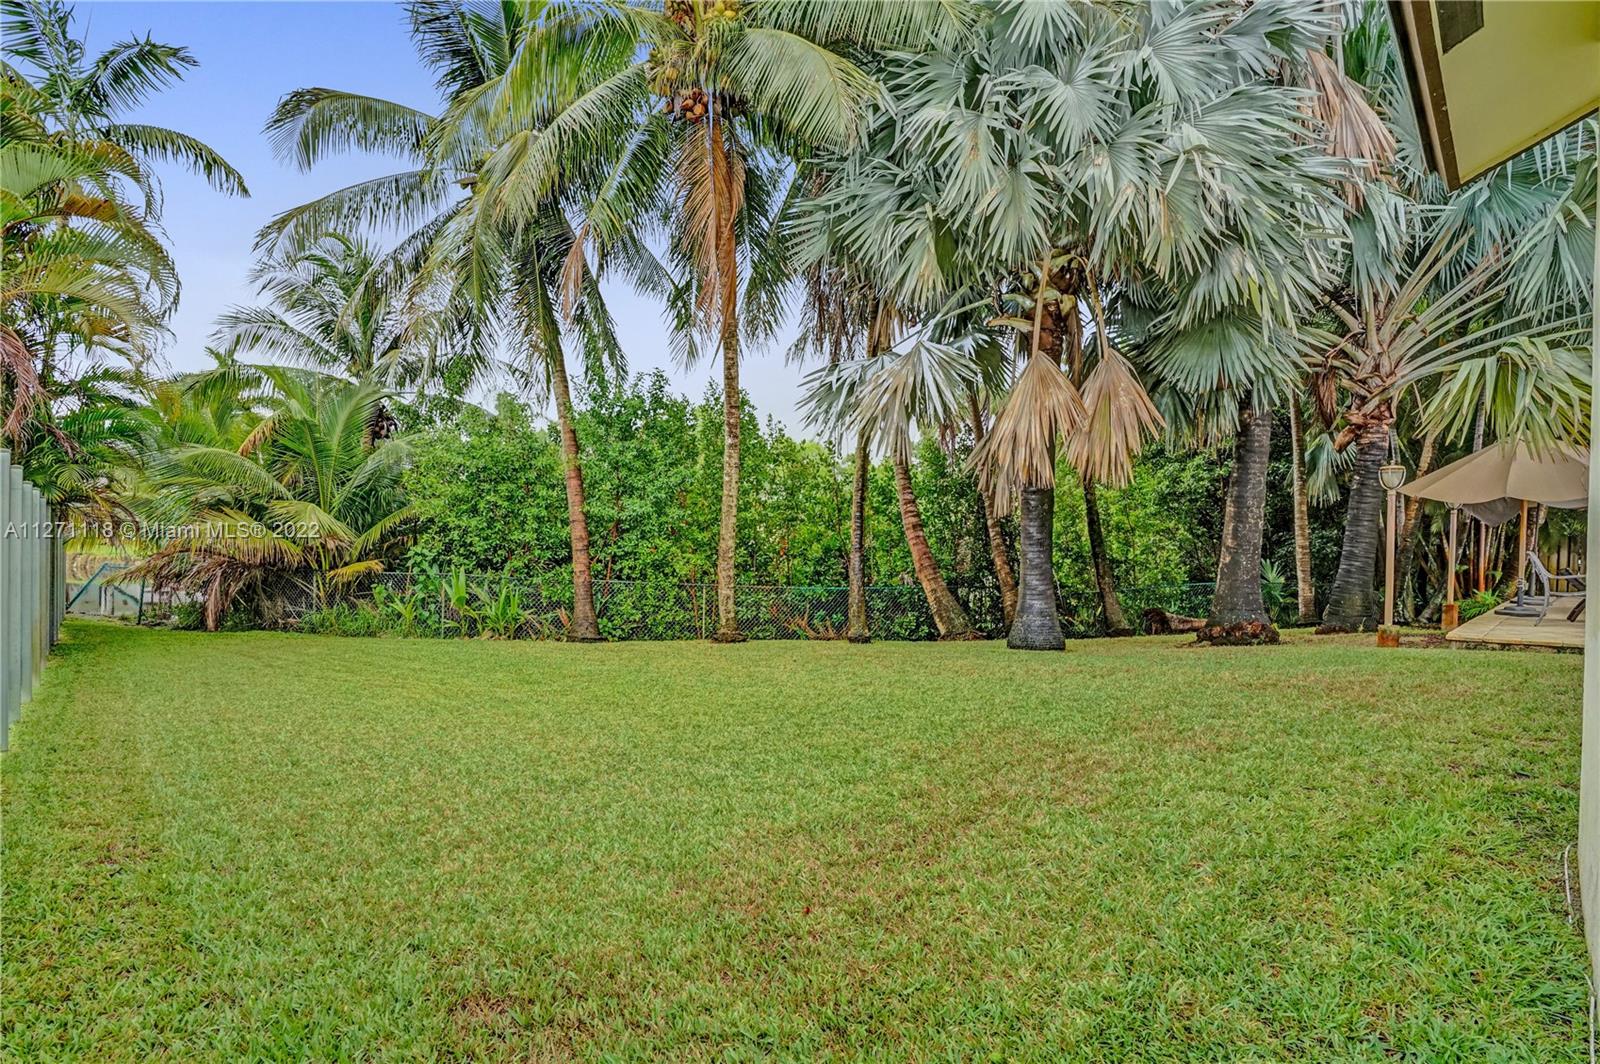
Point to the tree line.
(1062, 233)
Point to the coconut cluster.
(682, 11)
(690, 106)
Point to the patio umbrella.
(1502, 479)
(1554, 475)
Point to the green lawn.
(285, 847)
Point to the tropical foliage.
(296, 511)
(1075, 273)
(84, 274)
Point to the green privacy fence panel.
(32, 591)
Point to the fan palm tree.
(878, 400)
(475, 281)
(1431, 284)
(304, 506)
(1109, 164)
(1438, 313)
(684, 115)
(838, 313)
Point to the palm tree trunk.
(1038, 620)
(1352, 602)
(856, 630)
(1116, 623)
(997, 545)
(948, 616)
(1305, 589)
(584, 627)
(728, 277)
(1237, 600)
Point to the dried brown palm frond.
(17, 370)
(1020, 449)
(1325, 394)
(572, 271)
(711, 185)
(1121, 420)
(258, 435)
(1352, 129)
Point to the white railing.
(32, 586)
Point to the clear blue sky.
(250, 54)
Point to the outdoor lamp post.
(1391, 476)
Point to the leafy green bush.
(344, 618)
(405, 614)
(1274, 589)
(1477, 604)
(187, 617)
(499, 613)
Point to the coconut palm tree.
(84, 99)
(474, 281)
(78, 269)
(337, 305)
(303, 507)
(685, 115)
(1136, 167)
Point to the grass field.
(286, 847)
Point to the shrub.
(344, 618)
(1478, 604)
(187, 617)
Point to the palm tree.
(1305, 587)
(1398, 333)
(685, 114)
(878, 400)
(336, 305)
(474, 279)
(83, 271)
(1099, 164)
(302, 508)
(838, 313)
(83, 99)
(78, 268)
(1430, 283)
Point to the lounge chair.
(1546, 581)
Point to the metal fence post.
(12, 646)
(41, 589)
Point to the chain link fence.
(540, 608)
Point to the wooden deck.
(1555, 632)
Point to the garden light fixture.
(1391, 476)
